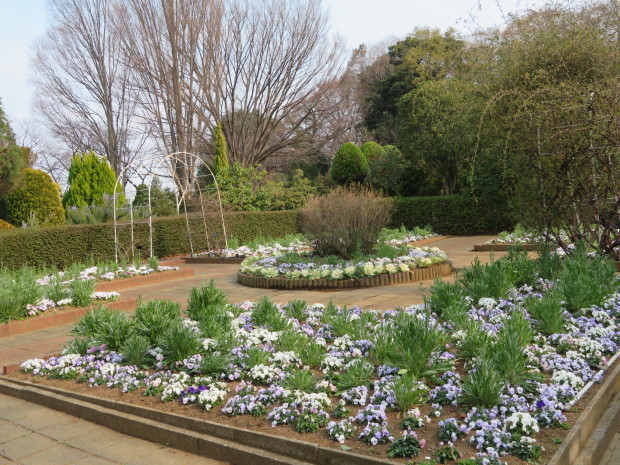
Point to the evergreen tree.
(37, 199)
(349, 165)
(90, 179)
(220, 162)
(13, 159)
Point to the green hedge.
(453, 214)
(61, 246)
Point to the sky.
(22, 22)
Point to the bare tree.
(263, 69)
(160, 38)
(82, 85)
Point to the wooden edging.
(213, 260)
(35, 323)
(385, 279)
(584, 428)
(504, 247)
(428, 240)
(214, 440)
(135, 281)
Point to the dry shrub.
(346, 221)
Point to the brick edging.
(429, 240)
(504, 247)
(385, 279)
(35, 323)
(135, 281)
(585, 425)
(212, 260)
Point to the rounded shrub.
(372, 150)
(349, 165)
(37, 198)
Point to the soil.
(545, 437)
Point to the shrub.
(451, 214)
(90, 177)
(386, 170)
(372, 150)
(220, 161)
(345, 221)
(163, 202)
(37, 196)
(349, 165)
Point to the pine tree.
(220, 162)
(90, 179)
(13, 159)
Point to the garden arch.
(153, 165)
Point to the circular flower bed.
(312, 271)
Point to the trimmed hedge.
(454, 214)
(61, 246)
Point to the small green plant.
(523, 268)
(311, 354)
(341, 411)
(135, 350)
(447, 454)
(256, 356)
(151, 319)
(492, 280)
(356, 373)
(153, 263)
(81, 291)
(483, 386)
(508, 353)
(178, 343)
(56, 290)
(291, 340)
(557, 440)
(444, 295)
(114, 330)
(78, 345)
(88, 326)
(296, 309)
(215, 364)
(407, 445)
(301, 380)
(267, 313)
(17, 290)
(409, 392)
(204, 300)
(548, 313)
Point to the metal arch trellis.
(154, 163)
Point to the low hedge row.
(454, 214)
(61, 246)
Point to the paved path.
(31, 434)
(34, 435)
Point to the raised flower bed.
(316, 273)
(495, 378)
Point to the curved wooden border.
(504, 247)
(385, 279)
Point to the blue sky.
(357, 21)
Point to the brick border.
(504, 247)
(385, 279)
(212, 260)
(70, 316)
(210, 439)
(585, 426)
(135, 281)
(429, 240)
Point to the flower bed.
(309, 267)
(400, 383)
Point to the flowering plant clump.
(355, 396)
(408, 445)
(340, 431)
(376, 433)
(309, 267)
(450, 430)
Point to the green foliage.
(81, 291)
(311, 354)
(267, 314)
(163, 202)
(508, 352)
(357, 373)
(215, 364)
(492, 280)
(135, 350)
(179, 342)
(372, 150)
(13, 159)
(387, 171)
(17, 290)
(413, 344)
(89, 324)
(60, 246)
(90, 178)
(349, 164)
(454, 214)
(548, 313)
(483, 386)
(408, 393)
(152, 318)
(220, 159)
(301, 380)
(38, 196)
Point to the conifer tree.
(90, 179)
(220, 162)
